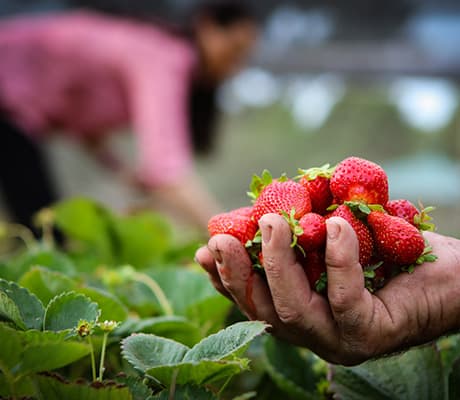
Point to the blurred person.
(86, 74)
(350, 325)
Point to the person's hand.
(351, 325)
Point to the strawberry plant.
(120, 311)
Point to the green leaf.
(111, 308)
(46, 284)
(10, 312)
(45, 351)
(198, 372)
(143, 239)
(52, 387)
(145, 351)
(230, 342)
(206, 362)
(209, 314)
(290, 368)
(66, 310)
(89, 223)
(11, 348)
(33, 351)
(454, 379)
(172, 327)
(139, 390)
(45, 257)
(30, 308)
(187, 392)
(192, 295)
(415, 374)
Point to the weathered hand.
(351, 325)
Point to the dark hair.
(203, 112)
(224, 12)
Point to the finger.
(235, 272)
(204, 257)
(350, 302)
(296, 305)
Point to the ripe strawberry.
(405, 209)
(316, 180)
(313, 236)
(243, 211)
(314, 266)
(366, 243)
(231, 223)
(282, 196)
(360, 180)
(396, 240)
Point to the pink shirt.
(88, 74)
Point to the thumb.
(345, 279)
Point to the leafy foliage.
(60, 309)
(212, 359)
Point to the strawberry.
(243, 211)
(316, 180)
(396, 240)
(359, 180)
(405, 209)
(314, 266)
(366, 243)
(313, 236)
(282, 196)
(232, 223)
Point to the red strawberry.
(231, 223)
(366, 244)
(357, 179)
(396, 240)
(316, 180)
(243, 211)
(405, 209)
(314, 232)
(314, 266)
(282, 196)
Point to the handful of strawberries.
(388, 231)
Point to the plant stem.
(172, 389)
(93, 358)
(156, 290)
(23, 233)
(224, 385)
(47, 232)
(101, 365)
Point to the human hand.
(351, 325)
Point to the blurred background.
(378, 80)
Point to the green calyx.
(254, 247)
(423, 219)
(325, 171)
(426, 256)
(296, 229)
(259, 183)
(321, 283)
(362, 210)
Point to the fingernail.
(333, 230)
(266, 230)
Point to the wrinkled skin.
(351, 325)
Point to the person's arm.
(351, 325)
